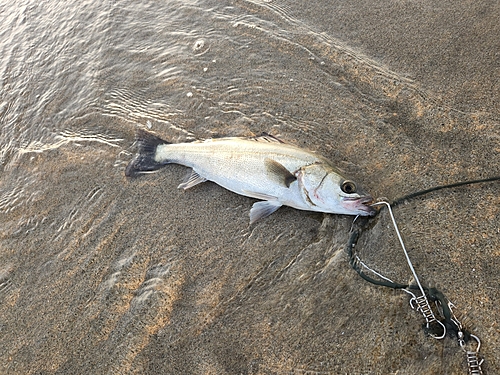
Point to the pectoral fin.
(279, 172)
(194, 179)
(263, 209)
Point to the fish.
(261, 167)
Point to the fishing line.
(402, 243)
(441, 187)
(421, 302)
(449, 322)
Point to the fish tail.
(145, 159)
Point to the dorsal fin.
(265, 137)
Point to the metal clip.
(422, 304)
(473, 361)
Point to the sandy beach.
(104, 274)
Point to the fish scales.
(237, 164)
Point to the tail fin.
(145, 159)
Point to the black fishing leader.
(447, 324)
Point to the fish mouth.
(366, 205)
(361, 205)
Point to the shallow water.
(100, 274)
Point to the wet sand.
(104, 274)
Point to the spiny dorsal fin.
(283, 175)
(265, 137)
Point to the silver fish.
(262, 167)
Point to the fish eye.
(348, 187)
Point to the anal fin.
(263, 209)
(193, 180)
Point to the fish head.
(325, 190)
